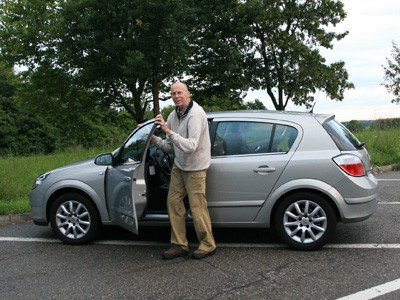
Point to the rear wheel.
(74, 219)
(305, 221)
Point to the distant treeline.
(24, 133)
(366, 123)
(380, 124)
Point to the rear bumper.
(359, 212)
(359, 197)
(360, 200)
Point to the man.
(188, 138)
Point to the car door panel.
(239, 184)
(125, 183)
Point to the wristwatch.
(170, 133)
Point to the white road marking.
(375, 291)
(388, 179)
(32, 240)
(363, 246)
(222, 245)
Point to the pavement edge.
(15, 219)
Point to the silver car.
(298, 173)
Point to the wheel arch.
(321, 189)
(303, 190)
(80, 188)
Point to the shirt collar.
(185, 110)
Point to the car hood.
(74, 165)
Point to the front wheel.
(305, 221)
(74, 219)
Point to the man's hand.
(160, 121)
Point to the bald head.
(181, 84)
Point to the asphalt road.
(250, 264)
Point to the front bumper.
(38, 208)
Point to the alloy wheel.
(73, 219)
(305, 221)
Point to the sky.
(372, 26)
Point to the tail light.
(351, 164)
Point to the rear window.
(342, 137)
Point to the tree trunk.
(156, 99)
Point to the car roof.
(295, 116)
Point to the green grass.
(382, 145)
(17, 174)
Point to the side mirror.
(104, 159)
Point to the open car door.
(126, 186)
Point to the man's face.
(180, 96)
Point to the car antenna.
(312, 108)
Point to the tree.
(392, 74)
(219, 53)
(257, 104)
(122, 50)
(126, 53)
(21, 133)
(355, 126)
(287, 36)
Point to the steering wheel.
(163, 161)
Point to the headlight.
(40, 179)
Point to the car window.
(133, 149)
(284, 137)
(235, 138)
(342, 137)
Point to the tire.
(74, 219)
(305, 221)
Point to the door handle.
(128, 179)
(264, 170)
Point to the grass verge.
(17, 175)
(382, 145)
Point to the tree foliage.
(21, 133)
(121, 50)
(287, 36)
(386, 124)
(86, 65)
(392, 74)
(355, 126)
(256, 104)
(219, 54)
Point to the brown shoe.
(200, 254)
(174, 252)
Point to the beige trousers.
(193, 184)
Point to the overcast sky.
(372, 26)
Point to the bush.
(355, 126)
(384, 124)
(23, 134)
